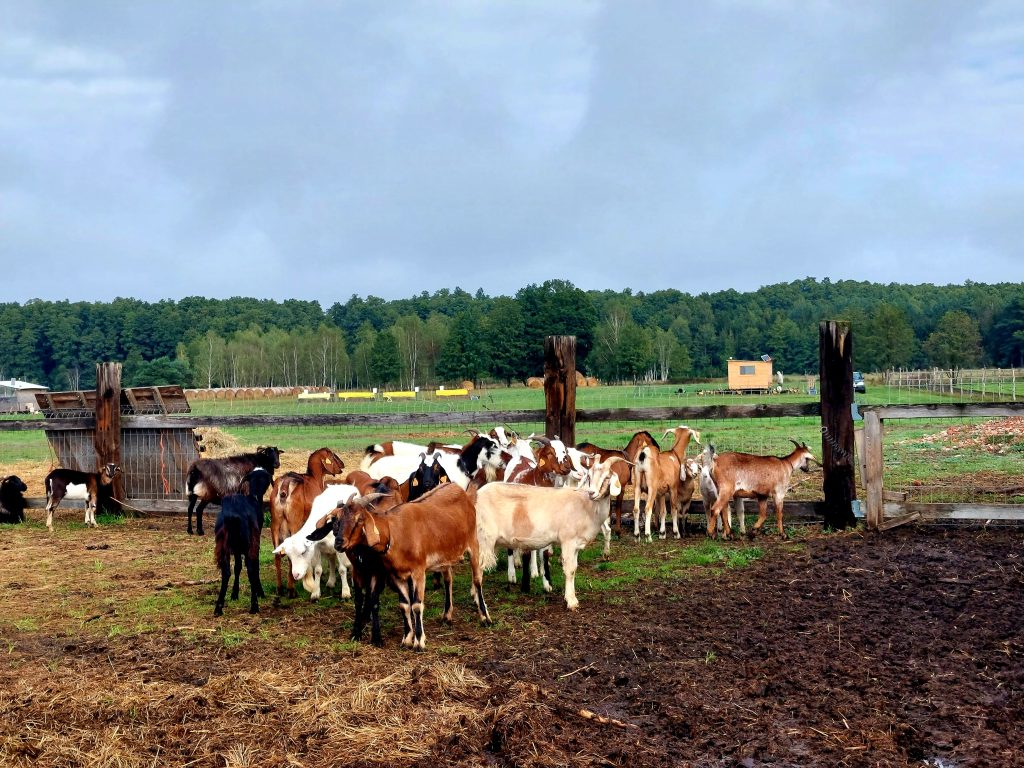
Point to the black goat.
(73, 484)
(210, 480)
(237, 532)
(12, 500)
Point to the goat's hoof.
(218, 610)
(378, 642)
(662, 536)
(189, 531)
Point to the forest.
(452, 335)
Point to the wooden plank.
(895, 522)
(955, 511)
(699, 412)
(894, 496)
(944, 410)
(874, 468)
(835, 372)
(560, 388)
(132, 400)
(858, 444)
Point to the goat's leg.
(512, 567)
(346, 593)
(762, 515)
(238, 572)
(478, 584)
(449, 596)
(524, 584)
(404, 588)
(51, 505)
(252, 570)
(547, 568)
(359, 600)
(225, 576)
(606, 532)
(376, 587)
(192, 499)
(199, 518)
(661, 504)
(418, 591)
(778, 515)
(652, 502)
(737, 504)
(570, 554)
(617, 504)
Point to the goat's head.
(108, 472)
(13, 483)
(426, 476)
(801, 455)
(272, 453)
(602, 481)
(330, 462)
(256, 483)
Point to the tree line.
(451, 335)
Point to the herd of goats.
(411, 509)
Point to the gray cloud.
(313, 151)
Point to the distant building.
(750, 374)
(19, 396)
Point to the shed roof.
(20, 386)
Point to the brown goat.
(621, 469)
(658, 479)
(292, 499)
(747, 476)
(432, 533)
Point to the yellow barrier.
(451, 392)
(355, 395)
(391, 395)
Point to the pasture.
(849, 649)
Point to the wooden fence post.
(873, 466)
(560, 388)
(835, 354)
(107, 437)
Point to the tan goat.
(744, 475)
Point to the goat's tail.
(485, 543)
(193, 477)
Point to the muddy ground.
(905, 648)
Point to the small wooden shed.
(750, 374)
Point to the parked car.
(858, 382)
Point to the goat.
(306, 557)
(432, 533)
(292, 500)
(622, 469)
(237, 532)
(658, 474)
(389, 448)
(72, 484)
(12, 499)
(481, 451)
(709, 491)
(747, 476)
(530, 517)
(209, 480)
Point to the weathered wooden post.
(835, 354)
(874, 503)
(560, 388)
(107, 437)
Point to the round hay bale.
(581, 380)
(268, 392)
(592, 381)
(468, 385)
(535, 382)
(220, 393)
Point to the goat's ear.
(614, 486)
(370, 529)
(322, 531)
(696, 435)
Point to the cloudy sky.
(316, 150)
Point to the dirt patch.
(900, 649)
(998, 436)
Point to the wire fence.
(949, 385)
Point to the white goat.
(306, 557)
(531, 517)
(709, 491)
